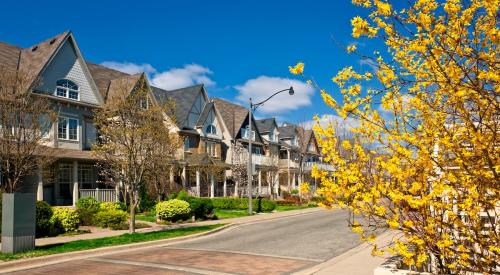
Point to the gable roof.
(265, 125)
(232, 114)
(103, 76)
(308, 137)
(36, 57)
(204, 114)
(184, 99)
(287, 131)
(9, 56)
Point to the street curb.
(29, 263)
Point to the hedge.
(43, 215)
(65, 218)
(111, 217)
(259, 205)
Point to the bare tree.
(239, 166)
(132, 130)
(25, 121)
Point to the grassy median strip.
(108, 241)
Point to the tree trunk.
(133, 205)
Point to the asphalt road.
(318, 236)
(278, 246)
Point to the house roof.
(103, 76)
(233, 115)
(287, 131)
(34, 58)
(265, 125)
(9, 56)
(184, 99)
(308, 135)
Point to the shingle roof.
(34, 58)
(265, 125)
(184, 99)
(305, 140)
(287, 131)
(233, 115)
(9, 56)
(103, 76)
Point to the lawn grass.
(146, 217)
(227, 213)
(107, 241)
(281, 208)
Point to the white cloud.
(262, 87)
(174, 78)
(129, 68)
(336, 120)
(188, 75)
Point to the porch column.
(184, 178)
(300, 179)
(39, 191)
(212, 185)
(293, 181)
(259, 186)
(224, 187)
(75, 182)
(198, 182)
(236, 189)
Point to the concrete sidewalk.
(101, 233)
(357, 261)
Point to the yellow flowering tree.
(424, 159)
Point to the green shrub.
(43, 214)
(65, 218)
(111, 217)
(230, 203)
(105, 206)
(263, 205)
(201, 208)
(182, 195)
(259, 205)
(146, 202)
(88, 203)
(172, 210)
(87, 208)
(295, 191)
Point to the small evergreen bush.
(65, 218)
(43, 214)
(110, 218)
(105, 206)
(172, 210)
(87, 208)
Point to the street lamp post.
(252, 107)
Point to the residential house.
(268, 129)
(201, 169)
(237, 133)
(290, 157)
(66, 80)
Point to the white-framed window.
(67, 89)
(211, 149)
(245, 131)
(211, 129)
(186, 145)
(67, 128)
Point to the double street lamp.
(253, 107)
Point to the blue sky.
(238, 48)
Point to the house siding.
(67, 65)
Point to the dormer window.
(211, 129)
(67, 89)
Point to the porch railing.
(101, 195)
(320, 165)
